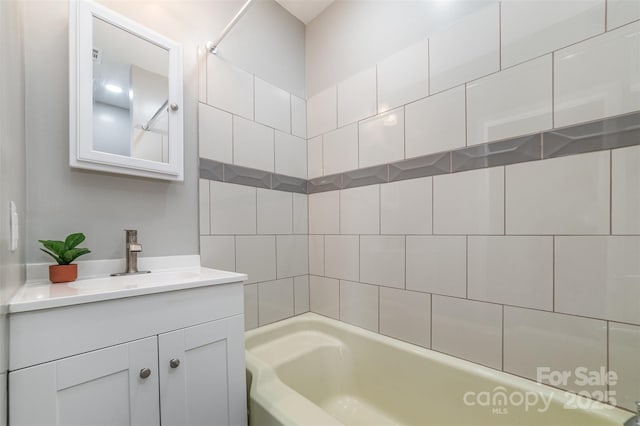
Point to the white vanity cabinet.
(172, 358)
(102, 387)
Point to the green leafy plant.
(65, 252)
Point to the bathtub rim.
(265, 379)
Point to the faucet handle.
(135, 247)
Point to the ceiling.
(305, 10)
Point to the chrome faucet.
(132, 248)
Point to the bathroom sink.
(40, 295)
(133, 281)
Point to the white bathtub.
(311, 370)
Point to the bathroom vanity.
(161, 348)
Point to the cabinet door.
(208, 385)
(99, 388)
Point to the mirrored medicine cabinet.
(125, 102)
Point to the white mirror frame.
(81, 152)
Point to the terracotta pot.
(63, 273)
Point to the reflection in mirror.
(130, 94)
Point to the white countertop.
(44, 295)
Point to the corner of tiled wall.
(247, 125)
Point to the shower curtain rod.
(213, 45)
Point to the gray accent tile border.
(211, 170)
(324, 184)
(528, 148)
(288, 183)
(609, 133)
(366, 176)
(428, 165)
(247, 176)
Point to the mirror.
(126, 96)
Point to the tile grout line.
(466, 126)
(466, 264)
(553, 273)
(405, 262)
(553, 91)
(608, 361)
(430, 320)
(610, 192)
(502, 342)
(504, 199)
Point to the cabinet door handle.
(174, 363)
(144, 373)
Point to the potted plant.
(64, 252)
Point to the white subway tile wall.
(381, 139)
(467, 329)
(511, 270)
(599, 277)
(360, 210)
(404, 76)
(273, 106)
(620, 12)
(533, 28)
(405, 315)
(301, 294)
(568, 195)
(405, 207)
(436, 123)
(340, 150)
(290, 155)
(277, 260)
(341, 257)
(532, 340)
(264, 233)
(204, 207)
(557, 289)
(469, 202)
(315, 157)
(625, 191)
(233, 209)
(253, 144)
(275, 301)
(357, 97)
(437, 264)
(215, 134)
(502, 105)
(233, 88)
(359, 304)
(502, 266)
(382, 260)
(298, 117)
(507, 70)
(466, 51)
(322, 112)
(275, 212)
(250, 306)
(599, 77)
(324, 296)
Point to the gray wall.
(350, 36)
(63, 200)
(12, 169)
